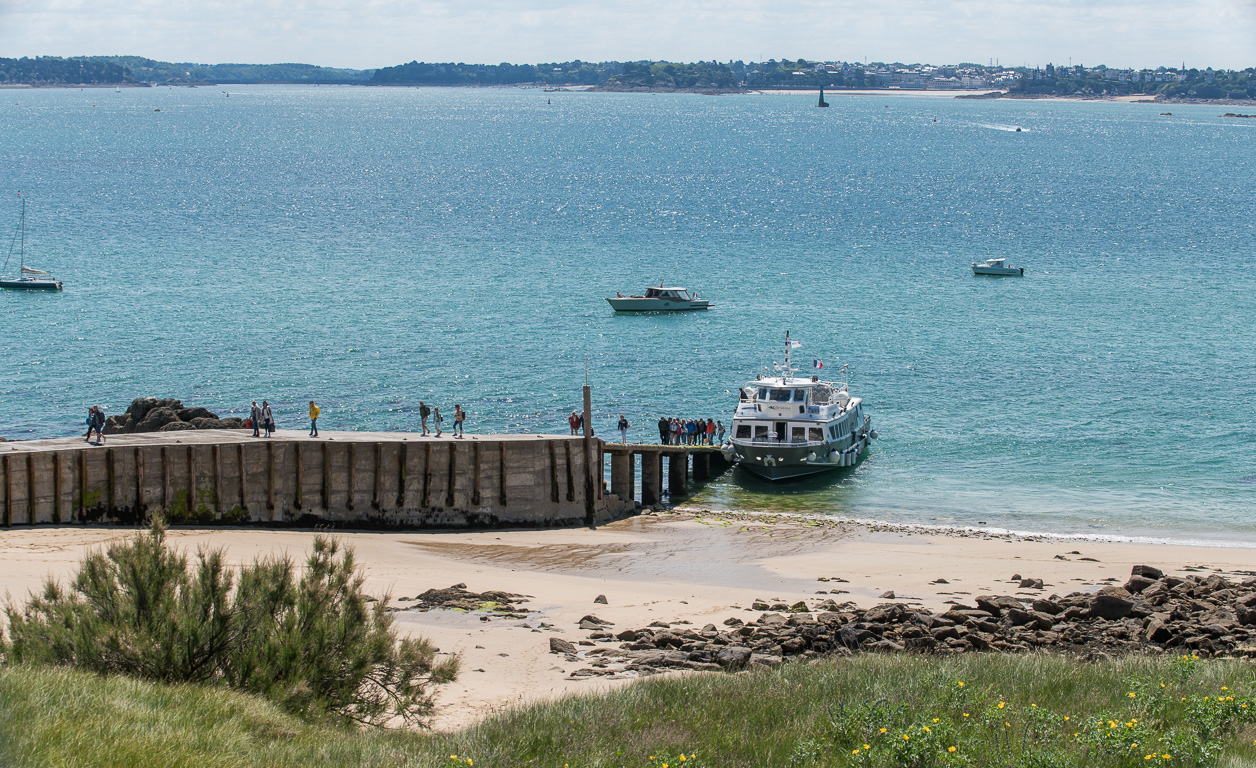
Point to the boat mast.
(21, 254)
(785, 370)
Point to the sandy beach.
(691, 566)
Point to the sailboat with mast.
(28, 278)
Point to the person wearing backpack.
(269, 418)
(459, 417)
(424, 412)
(99, 420)
(437, 420)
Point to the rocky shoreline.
(150, 414)
(1151, 613)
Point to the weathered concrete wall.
(344, 478)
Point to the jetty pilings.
(707, 463)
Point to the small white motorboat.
(659, 299)
(997, 268)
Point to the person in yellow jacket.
(313, 419)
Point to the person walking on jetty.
(673, 432)
(91, 422)
(269, 418)
(255, 416)
(436, 420)
(573, 421)
(710, 432)
(623, 429)
(98, 421)
(314, 411)
(719, 427)
(459, 417)
(424, 412)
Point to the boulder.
(557, 645)
(1137, 584)
(1147, 571)
(176, 426)
(733, 657)
(997, 604)
(1031, 584)
(187, 414)
(153, 420)
(1111, 602)
(1048, 606)
(600, 600)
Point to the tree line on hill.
(660, 75)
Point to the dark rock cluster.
(150, 414)
(1150, 613)
(457, 598)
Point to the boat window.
(815, 434)
(780, 395)
(800, 395)
(763, 393)
(799, 434)
(833, 431)
(760, 431)
(743, 431)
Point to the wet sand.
(699, 567)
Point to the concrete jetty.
(351, 479)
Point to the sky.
(366, 34)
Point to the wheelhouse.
(671, 294)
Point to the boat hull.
(30, 285)
(779, 462)
(631, 304)
(999, 271)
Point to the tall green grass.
(819, 714)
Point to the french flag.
(817, 363)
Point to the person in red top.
(573, 421)
(710, 432)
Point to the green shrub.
(313, 642)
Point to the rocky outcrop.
(150, 414)
(1209, 617)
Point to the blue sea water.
(370, 248)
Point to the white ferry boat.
(790, 426)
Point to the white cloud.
(372, 33)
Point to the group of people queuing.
(676, 431)
(438, 421)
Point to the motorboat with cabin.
(659, 299)
(997, 268)
(789, 426)
(27, 278)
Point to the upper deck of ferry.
(794, 397)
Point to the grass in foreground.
(866, 711)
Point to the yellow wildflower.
(924, 728)
(960, 683)
(682, 758)
(882, 730)
(906, 737)
(867, 747)
(1066, 718)
(935, 719)
(950, 749)
(854, 751)
(1001, 704)
(965, 714)
(1132, 694)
